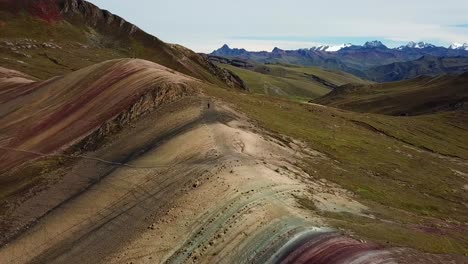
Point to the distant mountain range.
(225, 49)
(366, 60)
(459, 46)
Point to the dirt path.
(201, 185)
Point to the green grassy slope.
(401, 167)
(335, 77)
(419, 96)
(291, 81)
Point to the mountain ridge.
(81, 95)
(78, 34)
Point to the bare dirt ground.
(194, 174)
(194, 184)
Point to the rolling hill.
(423, 95)
(81, 107)
(297, 82)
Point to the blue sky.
(205, 25)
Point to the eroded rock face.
(94, 16)
(231, 79)
(234, 62)
(227, 76)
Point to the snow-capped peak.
(374, 44)
(338, 47)
(417, 45)
(319, 48)
(459, 46)
(328, 48)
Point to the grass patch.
(392, 234)
(306, 203)
(392, 174)
(277, 84)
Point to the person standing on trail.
(208, 105)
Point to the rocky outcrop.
(154, 98)
(234, 62)
(231, 79)
(227, 76)
(322, 81)
(93, 16)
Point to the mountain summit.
(375, 44)
(459, 46)
(277, 50)
(418, 45)
(328, 48)
(225, 50)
